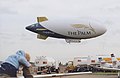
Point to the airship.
(72, 29)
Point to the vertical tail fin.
(114, 60)
(41, 19)
(101, 61)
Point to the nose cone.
(99, 27)
(101, 30)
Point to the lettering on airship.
(79, 33)
(89, 27)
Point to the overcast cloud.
(15, 15)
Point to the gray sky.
(15, 15)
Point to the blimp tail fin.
(39, 36)
(41, 19)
